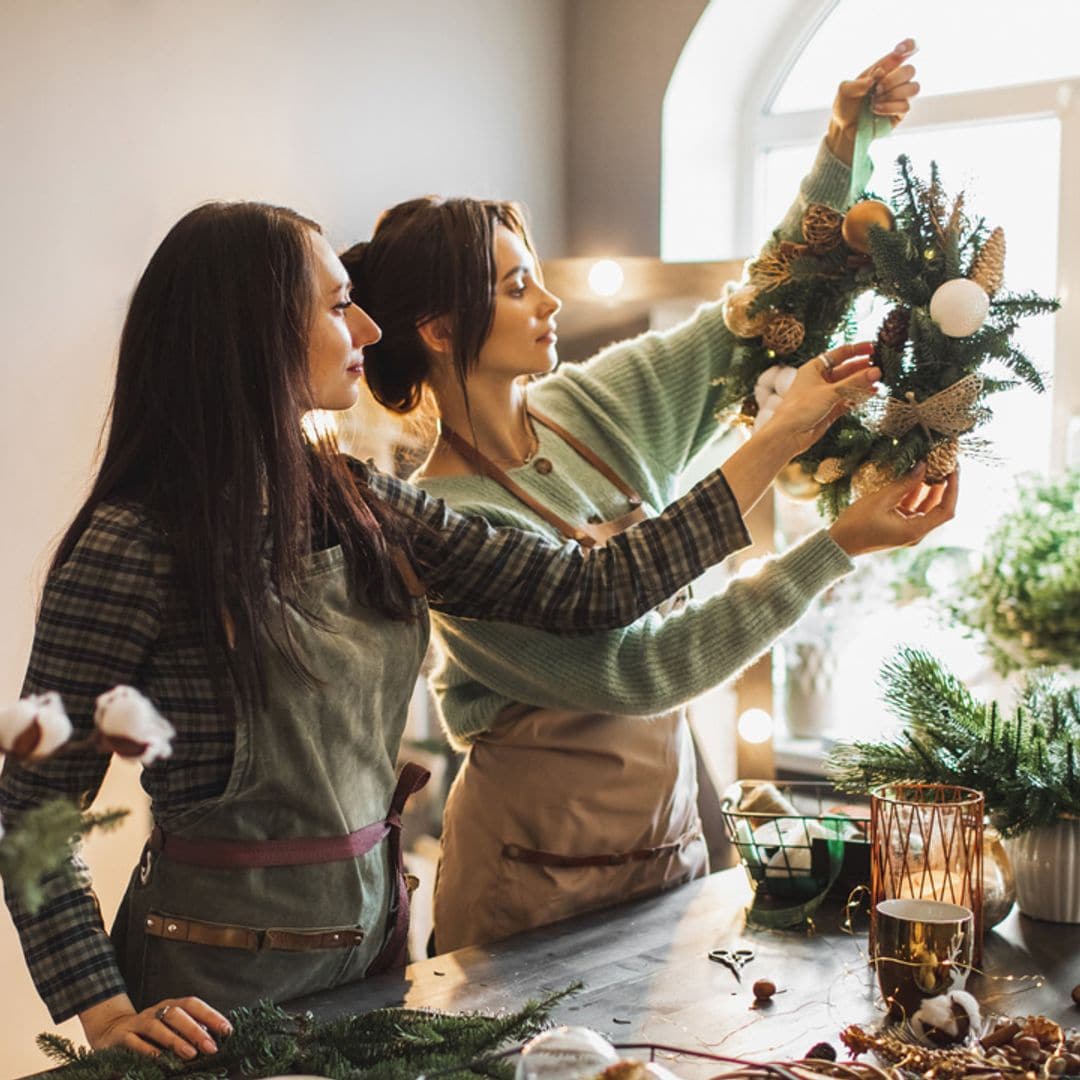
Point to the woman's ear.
(436, 336)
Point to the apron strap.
(486, 467)
(517, 853)
(395, 950)
(586, 536)
(298, 851)
(594, 459)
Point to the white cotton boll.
(784, 378)
(768, 377)
(763, 417)
(14, 720)
(947, 1018)
(131, 726)
(762, 393)
(34, 727)
(53, 722)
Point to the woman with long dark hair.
(269, 595)
(567, 800)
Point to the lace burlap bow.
(951, 411)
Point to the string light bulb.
(606, 277)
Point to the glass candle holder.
(926, 843)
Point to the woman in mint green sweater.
(568, 799)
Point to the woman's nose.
(550, 304)
(364, 329)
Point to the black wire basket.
(822, 847)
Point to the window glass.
(962, 45)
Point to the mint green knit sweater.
(647, 407)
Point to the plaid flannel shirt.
(113, 613)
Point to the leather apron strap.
(588, 535)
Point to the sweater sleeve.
(653, 666)
(474, 570)
(98, 621)
(663, 390)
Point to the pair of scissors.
(733, 959)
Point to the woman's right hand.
(182, 1025)
(898, 515)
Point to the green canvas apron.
(556, 812)
(289, 882)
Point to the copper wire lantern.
(926, 842)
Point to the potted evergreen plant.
(1025, 762)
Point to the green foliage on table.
(386, 1044)
(1025, 597)
(1025, 763)
(40, 845)
(931, 243)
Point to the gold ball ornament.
(869, 477)
(858, 221)
(783, 335)
(941, 461)
(736, 313)
(829, 470)
(796, 483)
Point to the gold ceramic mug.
(923, 949)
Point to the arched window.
(1000, 113)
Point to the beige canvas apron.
(557, 812)
(290, 882)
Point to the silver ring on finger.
(161, 1012)
(826, 363)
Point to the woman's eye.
(518, 291)
(343, 306)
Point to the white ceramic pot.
(1046, 862)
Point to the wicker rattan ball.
(783, 335)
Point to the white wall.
(116, 116)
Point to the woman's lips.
(548, 339)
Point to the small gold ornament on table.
(783, 335)
(859, 220)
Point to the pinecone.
(783, 335)
(894, 330)
(829, 470)
(941, 461)
(821, 227)
(748, 410)
(988, 269)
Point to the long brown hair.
(428, 258)
(204, 432)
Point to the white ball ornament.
(565, 1053)
(959, 307)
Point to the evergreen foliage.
(41, 845)
(1025, 764)
(930, 244)
(1025, 596)
(385, 1044)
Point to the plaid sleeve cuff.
(476, 571)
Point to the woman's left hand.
(824, 389)
(893, 82)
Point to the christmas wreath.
(943, 273)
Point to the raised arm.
(648, 668)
